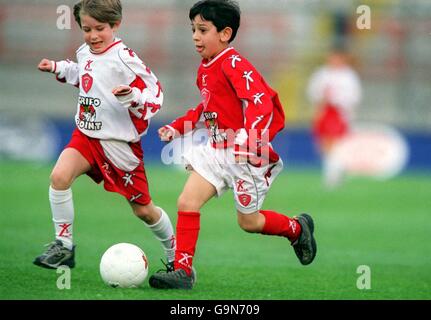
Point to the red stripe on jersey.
(138, 83)
(140, 124)
(159, 86)
(153, 107)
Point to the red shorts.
(133, 185)
(330, 124)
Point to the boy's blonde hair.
(105, 11)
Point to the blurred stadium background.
(286, 40)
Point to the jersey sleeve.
(187, 122)
(257, 99)
(67, 71)
(147, 90)
(350, 95)
(315, 87)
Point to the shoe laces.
(169, 267)
(54, 248)
(180, 274)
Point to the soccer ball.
(124, 265)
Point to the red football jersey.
(238, 106)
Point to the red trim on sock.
(280, 225)
(188, 226)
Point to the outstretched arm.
(66, 71)
(166, 134)
(181, 125)
(46, 65)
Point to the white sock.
(62, 215)
(164, 232)
(325, 169)
(332, 172)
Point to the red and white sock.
(62, 215)
(280, 225)
(188, 226)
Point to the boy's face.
(337, 60)
(208, 41)
(98, 35)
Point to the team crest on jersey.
(206, 95)
(244, 199)
(87, 82)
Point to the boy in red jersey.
(242, 115)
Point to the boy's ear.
(116, 25)
(226, 34)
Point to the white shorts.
(250, 184)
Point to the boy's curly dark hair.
(222, 13)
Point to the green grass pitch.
(383, 225)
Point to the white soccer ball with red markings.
(124, 265)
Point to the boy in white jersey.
(118, 95)
(335, 92)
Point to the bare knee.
(70, 165)
(60, 180)
(148, 213)
(248, 226)
(251, 223)
(188, 204)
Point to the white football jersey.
(99, 113)
(340, 87)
